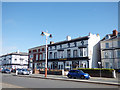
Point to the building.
(37, 57)
(110, 50)
(82, 52)
(14, 60)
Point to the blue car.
(6, 71)
(78, 74)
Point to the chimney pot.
(115, 32)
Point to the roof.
(37, 47)
(16, 53)
(111, 37)
(76, 39)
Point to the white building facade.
(110, 50)
(82, 52)
(14, 60)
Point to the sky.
(23, 22)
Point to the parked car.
(78, 74)
(6, 71)
(19, 71)
(118, 70)
(23, 71)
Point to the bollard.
(114, 74)
(63, 72)
(16, 72)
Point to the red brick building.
(37, 58)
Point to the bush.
(103, 69)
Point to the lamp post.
(100, 67)
(50, 35)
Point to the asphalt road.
(10, 81)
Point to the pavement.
(95, 80)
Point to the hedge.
(103, 69)
(95, 72)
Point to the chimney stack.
(98, 35)
(51, 42)
(18, 51)
(68, 38)
(115, 32)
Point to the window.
(68, 44)
(21, 59)
(107, 64)
(106, 54)
(60, 54)
(75, 64)
(118, 64)
(59, 66)
(40, 56)
(118, 54)
(107, 37)
(75, 44)
(119, 34)
(85, 52)
(51, 48)
(110, 54)
(82, 42)
(74, 53)
(107, 45)
(26, 60)
(36, 57)
(81, 52)
(68, 53)
(55, 55)
(67, 64)
(60, 46)
(55, 47)
(31, 56)
(44, 55)
(50, 55)
(118, 43)
(72, 71)
(41, 50)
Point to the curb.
(73, 80)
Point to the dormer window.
(107, 37)
(82, 42)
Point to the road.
(10, 81)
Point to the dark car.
(118, 70)
(78, 74)
(6, 71)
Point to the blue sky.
(22, 23)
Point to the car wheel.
(69, 76)
(82, 77)
(74, 77)
(87, 78)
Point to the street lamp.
(50, 36)
(100, 67)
